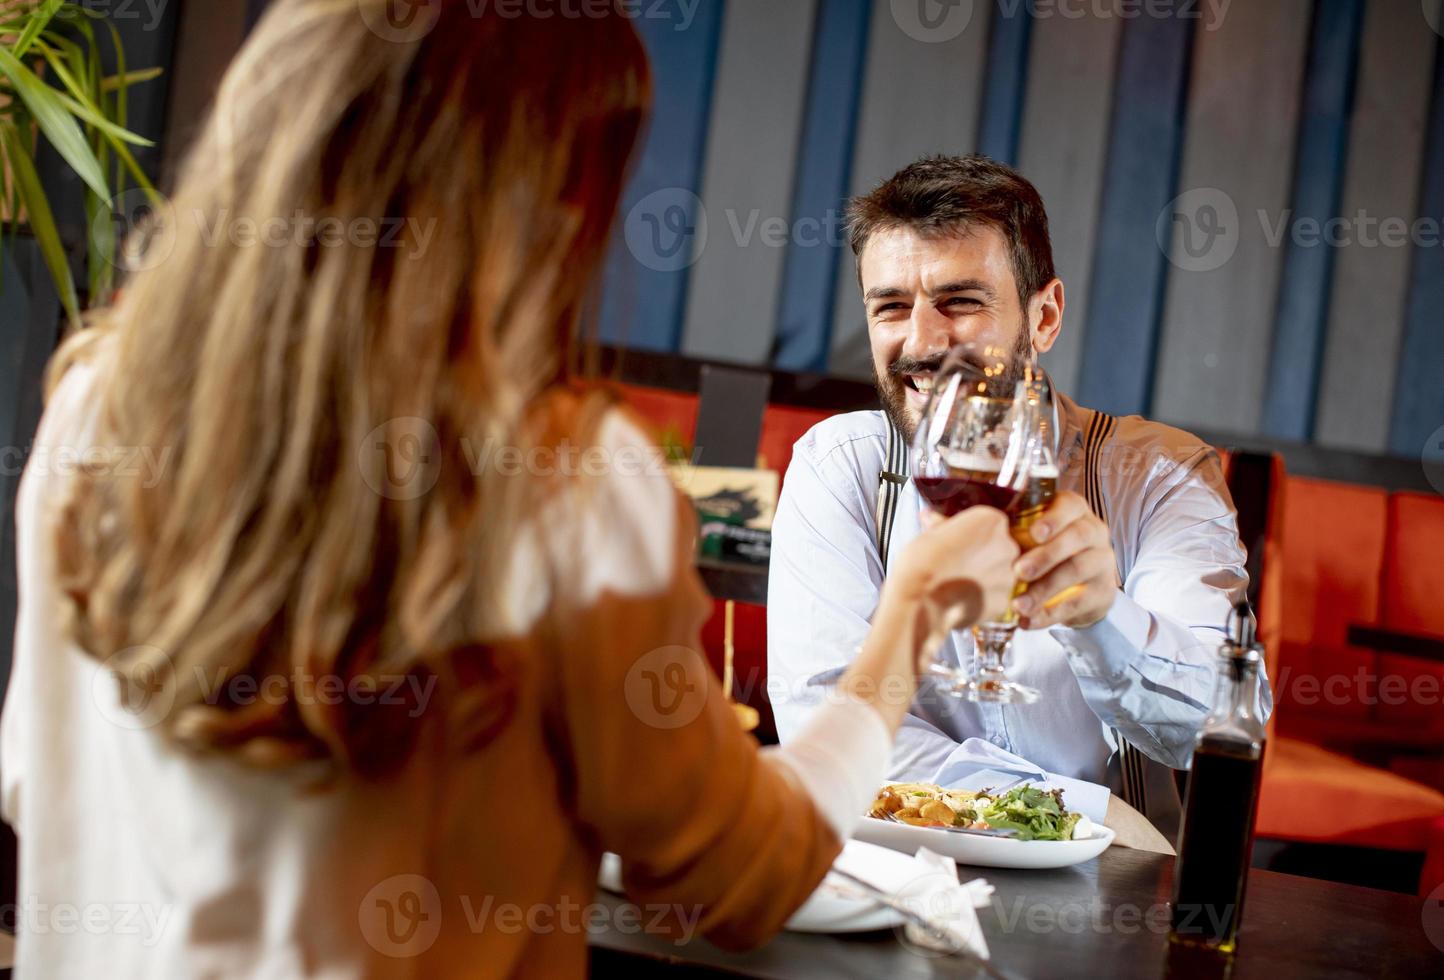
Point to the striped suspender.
(890, 482)
(1100, 429)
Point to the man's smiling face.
(925, 294)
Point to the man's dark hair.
(942, 195)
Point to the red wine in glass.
(984, 439)
(962, 489)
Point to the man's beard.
(892, 389)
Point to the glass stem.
(993, 641)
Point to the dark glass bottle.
(1216, 841)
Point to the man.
(1140, 546)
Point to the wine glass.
(983, 439)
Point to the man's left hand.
(1072, 574)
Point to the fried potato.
(887, 802)
(936, 811)
(924, 804)
(913, 789)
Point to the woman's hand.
(958, 572)
(954, 574)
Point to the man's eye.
(967, 301)
(887, 308)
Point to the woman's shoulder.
(588, 436)
(586, 414)
(616, 520)
(76, 366)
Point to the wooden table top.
(1104, 918)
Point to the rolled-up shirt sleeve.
(823, 584)
(1147, 668)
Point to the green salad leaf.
(1033, 814)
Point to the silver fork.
(991, 832)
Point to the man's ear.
(1045, 313)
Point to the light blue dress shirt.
(1145, 672)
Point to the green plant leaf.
(133, 168)
(42, 220)
(59, 127)
(113, 82)
(76, 79)
(12, 199)
(96, 119)
(83, 114)
(60, 42)
(118, 46)
(39, 20)
(101, 237)
(118, 103)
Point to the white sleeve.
(839, 754)
(67, 424)
(1147, 667)
(823, 584)
(840, 757)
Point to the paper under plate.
(987, 852)
(832, 907)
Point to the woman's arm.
(659, 770)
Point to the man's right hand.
(958, 572)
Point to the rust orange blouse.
(480, 857)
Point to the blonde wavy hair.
(266, 550)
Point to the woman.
(334, 688)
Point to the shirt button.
(998, 740)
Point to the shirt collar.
(1068, 423)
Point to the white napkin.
(950, 906)
(926, 883)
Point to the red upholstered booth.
(1411, 598)
(1345, 743)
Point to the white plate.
(832, 907)
(987, 852)
(835, 907)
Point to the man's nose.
(929, 333)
